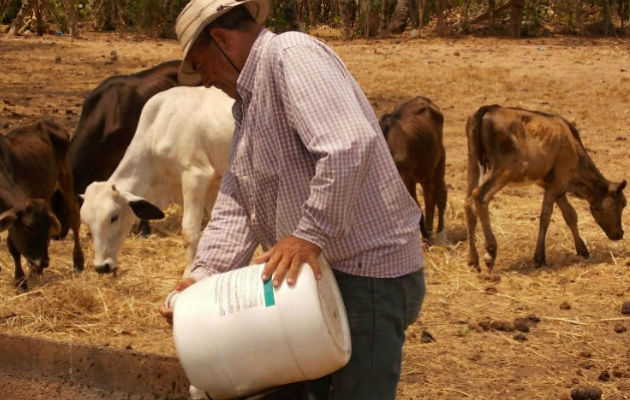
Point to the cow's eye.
(113, 218)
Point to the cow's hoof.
(78, 263)
(583, 251)
(104, 269)
(475, 265)
(540, 261)
(21, 285)
(489, 261)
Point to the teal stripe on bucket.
(268, 289)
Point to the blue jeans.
(379, 310)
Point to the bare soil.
(462, 346)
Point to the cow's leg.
(441, 195)
(471, 226)
(59, 208)
(571, 218)
(144, 228)
(194, 186)
(481, 197)
(74, 221)
(549, 199)
(471, 216)
(429, 206)
(410, 184)
(19, 280)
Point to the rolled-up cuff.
(200, 272)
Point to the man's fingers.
(294, 271)
(264, 257)
(166, 313)
(184, 284)
(283, 266)
(317, 271)
(271, 265)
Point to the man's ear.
(221, 37)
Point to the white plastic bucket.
(235, 335)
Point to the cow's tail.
(477, 159)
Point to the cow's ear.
(616, 187)
(7, 218)
(145, 210)
(82, 196)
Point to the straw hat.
(197, 15)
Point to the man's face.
(214, 68)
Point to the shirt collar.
(247, 77)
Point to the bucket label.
(269, 299)
(242, 289)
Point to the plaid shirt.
(308, 159)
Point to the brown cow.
(512, 145)
(32, 165)
(414, 135)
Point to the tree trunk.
(441, 22)
(314, 7)
(71, 9)
(465, 23)
(607, 22)
(398, 22)
(18, 22)
(346, 14)
(39, 19)
(516, 18)
(491, 7)
(369, 18)
(422, 5)
(578, 18)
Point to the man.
(309, 173)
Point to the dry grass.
(585, 80)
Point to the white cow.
(177, 155)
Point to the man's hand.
(287, 255)
(165, 310)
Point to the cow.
(32, 165)
(179, 152)
(414, 136)
(516, 146)
(108, 121)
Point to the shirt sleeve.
(227, 241)
(322, 105)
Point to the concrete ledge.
(95, 371)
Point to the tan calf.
(512, 145)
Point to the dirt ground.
(448, 354)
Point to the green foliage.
(277, 21)
(537, 13)
(8, 10)
(157, 17)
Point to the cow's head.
(109, 213)
(607, 210)
(30, 228)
